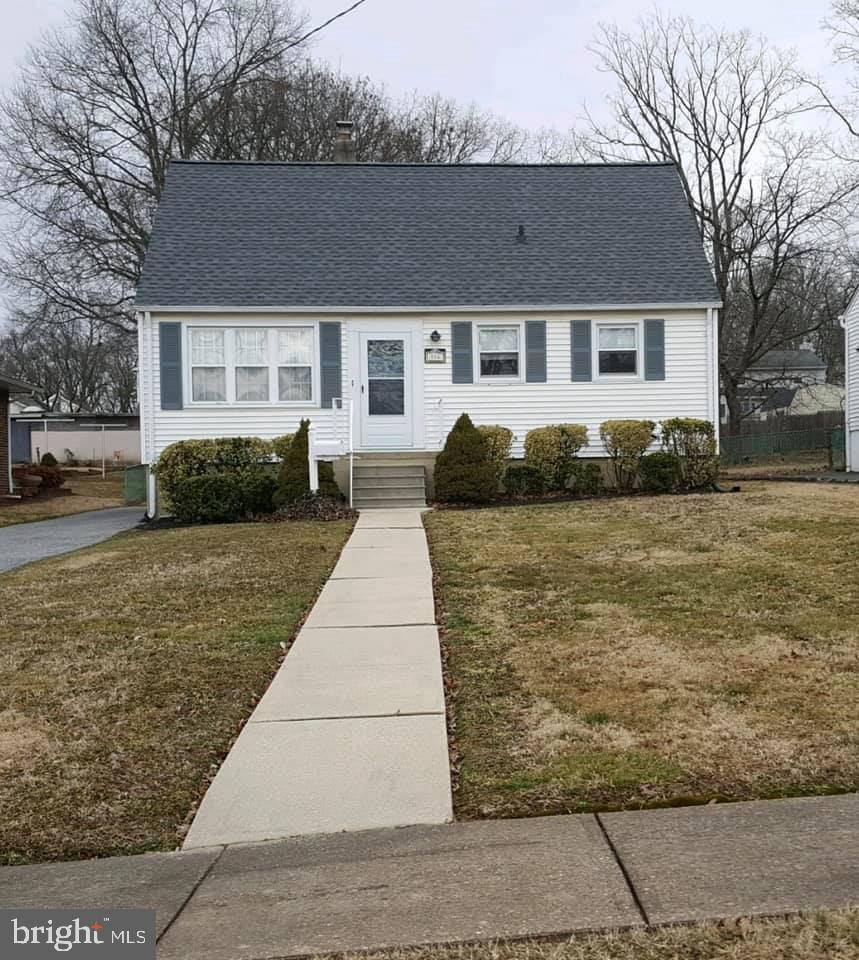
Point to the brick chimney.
(344, 145)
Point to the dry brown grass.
(653, 650)
(782, 465)
(127, 669)
(87, 493)
(829, 935)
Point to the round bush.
(523, 480)
(694, 442)
(499, 441)
(585, 478)
(52, 477)
(223, 497)
(209, 498)
(626, 442)
(552, 449)
(48, 460)
(660, 473)
(192, 458)
(463, 470)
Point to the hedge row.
(237, 478)
(473, 466)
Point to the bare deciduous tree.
(93, 122)
(77, 365)
(718, 105)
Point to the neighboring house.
(79, 436)
(9, 386)
(769, 386)
(850, 322)
(383, 300)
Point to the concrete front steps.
(388, 486)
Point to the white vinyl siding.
(851, 373)
(688, 389)
(267, 420)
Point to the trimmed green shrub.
(214, 498)
(48, 460)
(315, 506)
(552, 449)
(585, 478)
(626, 442)
(293, 479)
(327, 484)
(661, 472)
(693, 441)
(463, 470)
(499, 440)
(52, 476)
(193, 458)
(280, 445)
(523, 480)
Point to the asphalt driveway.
(27, 542)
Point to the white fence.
(119, 445)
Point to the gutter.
(450, 308)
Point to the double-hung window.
(618, 349)
(295, 363)
(498, 348)
(208, 365)
(252, 364)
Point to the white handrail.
(311, 460)
(325, 451)
(441, 435)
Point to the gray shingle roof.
(788, 360)
(388, 235)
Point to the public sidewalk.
(351, 734)
(461, 882)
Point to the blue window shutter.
(462, 361)
(330, 362)
(170, 353)
(580, 339)
(654, 349)
(535, 351)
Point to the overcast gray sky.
(525, 59)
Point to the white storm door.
(386, 390)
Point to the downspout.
(849, 401)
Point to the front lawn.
(87, 492)
(127, 669)
(652, 650)
(827, 935)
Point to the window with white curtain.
(252, 364)
(295, 363)
(617, 347)
(498, 348)
(208, 366)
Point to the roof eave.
(12, 385)
(418, 308)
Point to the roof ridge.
(444, 166)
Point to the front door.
(386, 390)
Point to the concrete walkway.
(351, 734)
(27, 542)
(548, 876)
